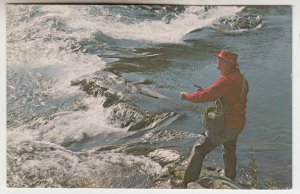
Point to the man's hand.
(183, 95)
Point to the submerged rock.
(170, 8)
(111, 98)
(238, 22)
(115, 91)
(89, 86)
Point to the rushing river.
(140, 58)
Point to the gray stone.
(111, 98)
(194, 185)
(165, 155)
(217, 182)
(238, 22)
(162, 185)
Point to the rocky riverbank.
(36, 164)
(138, 155)
(121, 94)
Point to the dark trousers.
(199, 152)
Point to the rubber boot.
(192, 172)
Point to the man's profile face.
(222, 66)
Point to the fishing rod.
(197, 86)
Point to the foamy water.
(43, 48)
(47, 49)
(154, 31)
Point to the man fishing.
(232, 88)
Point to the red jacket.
(228, 86)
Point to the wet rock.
(124, 115)
(104, 84)
(170, 8)
(89, 86)
(136, 126)
(174, 172)
(167, 135)
(34, 164)
(101, 149)
(176, 9)
(162, 185)
(202, 183)
(138, 150)
(216, 182)
(29, 165)
(111, 98)
(194, 185)
(165, 156)
(238, 22)
(71, 43)
(158, 119)
(78, 82)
